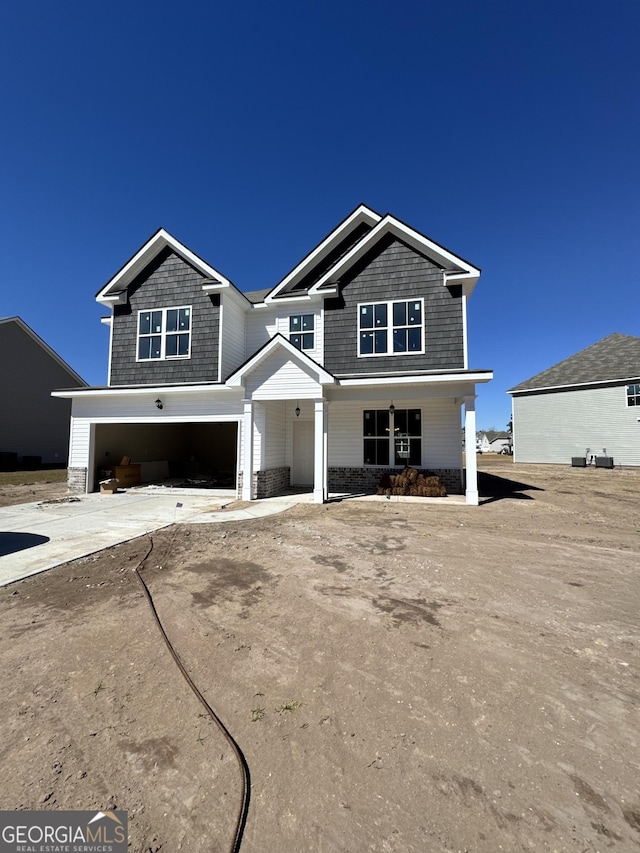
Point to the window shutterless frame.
(301, 331)
(392, 439)
(633, 395)
(395, 327)
(164, 333)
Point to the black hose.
(242, 761)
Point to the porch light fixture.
(159, 404)
(392, 408)
(297, 411)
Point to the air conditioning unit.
(604, 461)
(578, 461)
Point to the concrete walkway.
(38, 536)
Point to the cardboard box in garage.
(127, 475)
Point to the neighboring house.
(32, 423)
(588, 404)
(353, 365)
(482, 443)
(499, 442)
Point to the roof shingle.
(614, 358)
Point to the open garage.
(197, 454)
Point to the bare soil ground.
(399, 676)
(21, 487)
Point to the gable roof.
(278, 342)
(614, 358)
(320, 271)
(328, 251)
(19, 322)
(114, 291)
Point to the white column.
(471, 492)
(320, 452)
(247, 452)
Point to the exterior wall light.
(392, 408)
(297, 411)
(159, 404)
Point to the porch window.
(393, 436)
(391, 328)
(164, 333)
(633, 395)
(301, 331)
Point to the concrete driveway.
(35, 537)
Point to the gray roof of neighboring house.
(614, 358)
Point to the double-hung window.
(392, 437)
(633, 395)
(164, 333)
(391, 328)
(301, 331)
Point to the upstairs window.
(164, 333)
(301, 331)
(391, 328)
(633, 395)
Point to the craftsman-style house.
(352, 366)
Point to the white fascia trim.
(107, 321)
(419, 380)
(359, 215)
(288, 300)
(390, 225)
(227, 289)
(147, 253)
(140, 389)
(576, 386)
(324, 378)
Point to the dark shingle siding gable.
(393, 270)
(615, 358)
(169, 281)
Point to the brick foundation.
(76, 481)
(366, 479)
(268, 483)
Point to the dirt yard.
(398, 676)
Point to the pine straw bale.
(412, 483)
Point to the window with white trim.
(391, 328)
(164, 333)
(301, 331)
(392, 435)
(633, 395)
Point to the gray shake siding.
(168, 282)
(395, 271)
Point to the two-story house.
(353, 365)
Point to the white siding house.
(586, 406)
(355, 364)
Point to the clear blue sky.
(507, 131)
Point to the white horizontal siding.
(177, 407)
(264, 324)
(80, 442)
(277, 377)
(233, 335)
(441, 439)
(261, 326)
(554, 427)
(276, 435)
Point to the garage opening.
(192, 455)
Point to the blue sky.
(508, 132)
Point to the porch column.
(320, 444)
(247, 451)
(471, 491)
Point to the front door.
(302, 473)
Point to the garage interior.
(190, 455)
